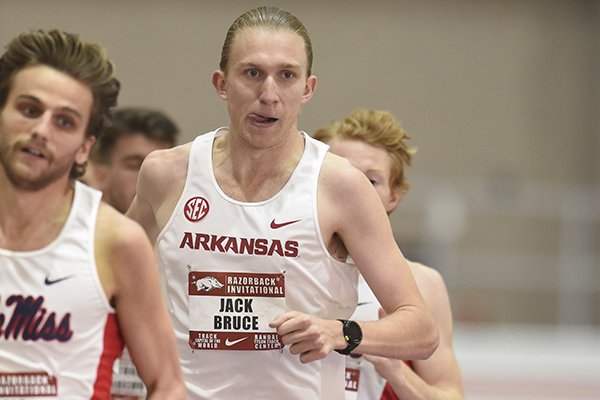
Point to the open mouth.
(262, 119)
(33, 151)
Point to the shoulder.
(338, 190)
(167, 163)
(347, 191)
(162, 172)
(339, 176)
(433, 289)
(348, 206)
(121, 247)
(115, 231)
(426, 276)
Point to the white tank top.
(362, 380)
(58, 333)
(230, 267)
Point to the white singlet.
(362, 380)
(58, 333)
(230, 267)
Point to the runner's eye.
(30, 110)
(65, 122)
(287, 75)
(253, 73)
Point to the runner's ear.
(219, 83)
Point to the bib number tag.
(232, 310)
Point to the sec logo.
(196, 208)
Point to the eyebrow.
(62, 109)
(378, 171)
(283, 66)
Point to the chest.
(32, 236)
(253, 186)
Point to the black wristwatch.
(352, 335)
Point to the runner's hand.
(387, 368)
(311, 337)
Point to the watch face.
(352, 335)
(353, 332)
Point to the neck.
(30, 220)
(253, 174)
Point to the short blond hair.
(267, 17)
(377, 128)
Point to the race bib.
(232, 310)
(352, 381)
(27, 384)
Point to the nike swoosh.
(364, 303)
(275, 225)
(232, 342)
(49, 281)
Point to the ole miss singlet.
(58, 332)
(230, 267)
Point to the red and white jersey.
(362, 380)
(230, 267)
(58, 333)
(125, 379)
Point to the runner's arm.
(145, 323)
(438, 377)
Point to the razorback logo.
(207, 284)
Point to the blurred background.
(502, 100)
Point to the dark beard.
(29, 182)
